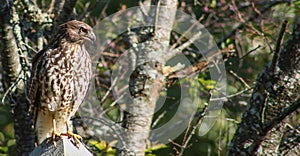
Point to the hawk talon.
(54, 137)
(77, 138)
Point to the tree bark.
(147, 81)
(9, 50)
(15, 78)
(270, 144)
(290, 143)
(275, 96)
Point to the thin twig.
(237, 12)
(261, 33)
(187, 130)
(253, 17)
(179, 49)
(231, 96)
(30, 47)
(219, 140)
(199, 121)
(278, 45)
(111, 105)
(230, 120)
(175, 76)
(292, 128)
(13, 87)
(185, 33)
(143, 9)
(51, 6)
(174, 143)
(109, 90)
(158, 119)
(251, 51)
(239, 78)
(91, 7)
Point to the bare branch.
(66, 13)
(175, 76)
(239, 78)
(179, 49)
(254, 16)
(278, 45)
(186, 140)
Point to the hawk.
(60, 78)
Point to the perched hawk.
(60, 79)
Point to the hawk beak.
(92, 37)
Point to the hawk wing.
(34, 91)
(39, 88)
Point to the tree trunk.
(15, 76)
(275, 96)
(148, 72)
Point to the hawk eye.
(82, 29)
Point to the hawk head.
(75, 32)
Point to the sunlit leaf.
(2, 137)
(99, 145)
(157, 147)
(11, 142)
(3, 149)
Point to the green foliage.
(156, 147)
(101, 148)
(207, 84)
(7, 142)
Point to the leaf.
(208, 84)
(156, 147)
(9, 131)
(228, 40)
(223, 45)
(11, 142)
(2, 137)
(213, 4)
(150, 154)
(297, 3)
(99, 145)
(3, 149)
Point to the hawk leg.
(75, 137)
(55, 134)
